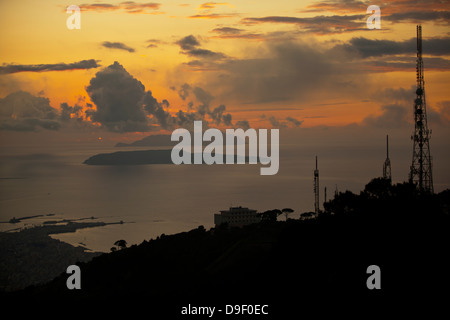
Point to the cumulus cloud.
(285, 71)
(117, 96)
(393, 116)
(21, 111)
(117, 45)
(396, 95)
(14, 68)
(444, 108)
(66, 112)
(242, 124)
(276, 123)
(205, 98)
(124, 105)
(184, 90)
(202, 96)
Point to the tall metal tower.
(421, 168)
(316, 189)
(387, 163)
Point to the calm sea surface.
(156, 199)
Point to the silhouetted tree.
(270, 215)
(287, 211)
(307, 215)
(121, 244)
(344, 203)
(379, 188)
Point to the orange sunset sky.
(269, 63)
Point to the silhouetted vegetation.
(286, 212)
(269, 215)
(31, 256)
(402, 231)
(121, 244)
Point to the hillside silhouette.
(283, 263)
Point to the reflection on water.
(155, 198)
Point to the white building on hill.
(236, 217)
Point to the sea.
(52, 182)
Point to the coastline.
(31, 256)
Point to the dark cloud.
(376, 48)
(350, 15)
(288, 70)
(318, 24)
(21, 111)
(217, 114)
(203, 96)
(235, 33)
(395, 95)
(276, 123)
(118, 97)
(29, 124)
(158, 110)
(153, 43)
(205, 53)
(294, 121)
(228, 30)
(127, 6)
(133, 7)
(191, 47)
(389, 64)
(393, 116)
(302, 69)
(242, 124)
(117, 45)
(183, 92)
(195, 63)
(66, 112)
(188, 42)
(227, 119)
(211, 5)
(14, 68)
(395, 11)
(337, 6)
(214, 16)
(419, 16)
(444, 112)
(123, 104)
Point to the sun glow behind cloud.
(301, 59)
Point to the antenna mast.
(421, 168)
(387, 163)
(316, 189)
